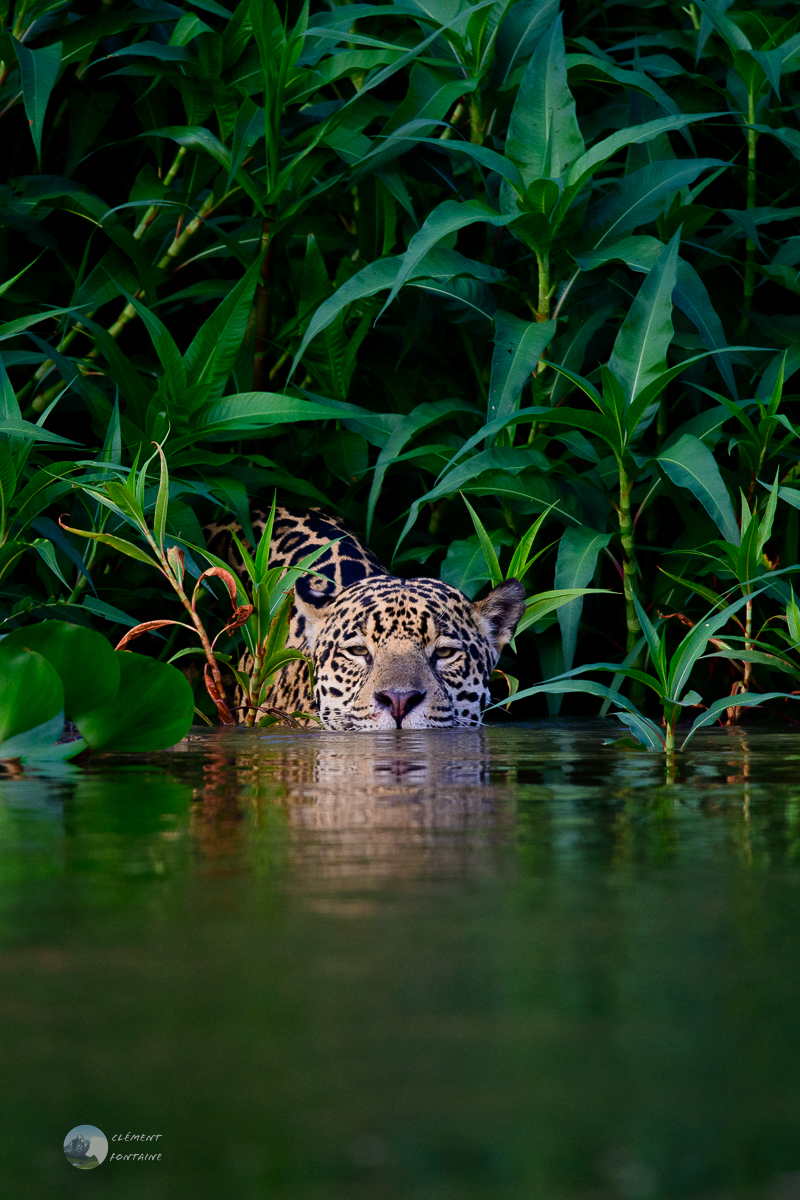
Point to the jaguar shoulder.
(387, 652)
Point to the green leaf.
(33, 433)
(263, 548)
(638, 198)
(583, 168)
(423, 416)
(12, 328)
(775, 661)
(152, 710)
(40, 743)
(446, 218)
(640, 350)
(211, 355)
(99, 608)
(84, 661)
(693, 646)
(162, 502)
(544, 603)
(690, 464)
(522, 559)
(643, 729)
(47, 552)
(465, 566)
(164, 345)
(742, 699)
(734, 37)
(561, 686)
(251, 412)
(656, 645)
(578, 551)
(518, 346)
(490, 160)
(495, 573)
(8, 484)
(38, 73)
(748, 556)
(508, 459)
(9, 283)
(31, 693)
(640, 252)
(438, 263)
(543, 133)
(346, 455)
(117, 543)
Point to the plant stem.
(545, 290)
(476, 125)
(225, 715)
(749, 268)
(748, 666)
(669, 743)
(40, 402)
(455, 117)
(262, 310)
(150, 215)
(629, 573)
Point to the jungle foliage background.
(386, 257)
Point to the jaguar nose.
(399, 704)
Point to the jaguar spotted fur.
(387, 652)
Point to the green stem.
(630, 571)
(150, 215)
(670, 739)
(748, 666)
(455, 117)
(545, 290)
(262, 306)
(476, 124)
(749, 267)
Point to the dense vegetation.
(386, 257)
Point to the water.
(506, 964)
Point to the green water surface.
(502, 964)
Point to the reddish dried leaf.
(138, 630)
(242, 614)
(224, 712)
(227, 579)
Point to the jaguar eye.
(445, 652)
(357, 651)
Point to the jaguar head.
(406, 653)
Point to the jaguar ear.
(499, 612)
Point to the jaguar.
(387, 653)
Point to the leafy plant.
(379, 257)
(263, 618)
(670, 682)
(54, 672)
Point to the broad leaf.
(690, 464)
(422, 417)
(32, 692)
(38, 73)
(578, 552)
(153, 708)
(518, 346)
(84, 661)
(638, 198)
(543, 133)
(640, 350)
